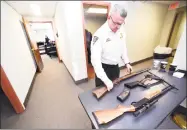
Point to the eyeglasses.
(117, 24)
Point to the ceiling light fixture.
(36, 9)
(97, 10)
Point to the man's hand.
(109, 85)
(129, 68)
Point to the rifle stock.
(100, 92)
(105, 116)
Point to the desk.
(148, 120)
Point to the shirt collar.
(107, 27)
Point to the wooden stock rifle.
(101, 91)
(105, 116)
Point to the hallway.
(54, 101)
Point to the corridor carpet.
(53, 102)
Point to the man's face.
(115, 21)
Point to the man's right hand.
(109, 85)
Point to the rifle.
(148, 81)
(101, 91)
(105, 116)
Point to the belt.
(110, 65)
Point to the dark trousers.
(112, 72)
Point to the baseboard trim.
(30, 90)
(79, 81)
(137, 62)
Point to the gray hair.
(120, 9)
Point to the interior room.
(45, 40)
(52, 85)
(94, 17)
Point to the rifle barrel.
(145, 107)
(166, 89)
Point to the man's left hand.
(129, 68)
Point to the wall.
(142, 27)
(42, 29)
(180, 55)
(168, 22)
(64, 47)
(40, 35)
(38, 18)
(94, 22)
(178, 29)
(16, 58)
(71, 40)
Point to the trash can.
(161, 54)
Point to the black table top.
(148, 120)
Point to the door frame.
(34, 47)
(172, 29)
(99, 3)
(51, 22)
(178, 10)
(10, 93)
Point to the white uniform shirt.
(107, 47)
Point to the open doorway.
(42, 42)
(176, 30)
(95, 15)
(45, 40)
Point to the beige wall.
(168, 22)
(178, 29)
(143, 26)
(167, 27)
(92, 23)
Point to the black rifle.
(141, 83)
(145, 103)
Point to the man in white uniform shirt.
(108, 48)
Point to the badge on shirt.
(108, 39)
(95, 38)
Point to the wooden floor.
(91, 73)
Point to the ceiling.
(23, 7)
(48, 7)
(87, 6)
(165, 2)
(169, 2)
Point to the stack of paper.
(178, 74)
